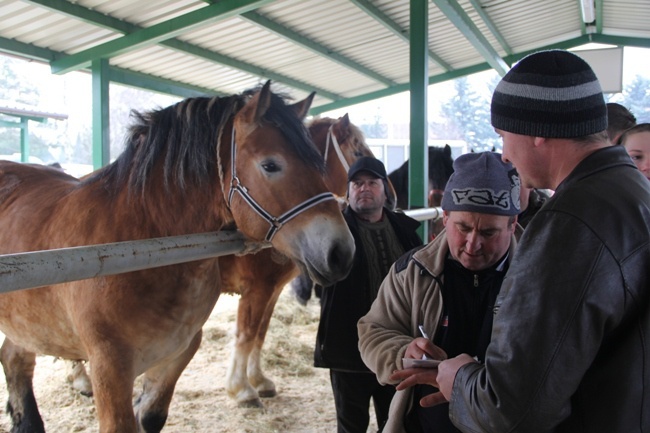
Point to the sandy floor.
(200, 405)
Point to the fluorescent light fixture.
(588, 11)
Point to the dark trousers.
(352, 394)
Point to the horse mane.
(187, 134)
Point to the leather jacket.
(570, 348)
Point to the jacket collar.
(602, 159)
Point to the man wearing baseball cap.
(570, 350)
(380, 236)
(437, 302)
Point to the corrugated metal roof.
(346, 50)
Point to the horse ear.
(342, 127)
(261, 103)
(301, 108)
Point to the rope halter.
(276, 223)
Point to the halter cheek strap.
(276, 223)
(331, 137)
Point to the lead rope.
(276, 223)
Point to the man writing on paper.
(447, 287)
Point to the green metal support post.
(419, 74)
(101, 114)
(24, 139)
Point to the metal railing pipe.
(42, 268)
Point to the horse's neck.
(175, 211)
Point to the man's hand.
(441, 378)
(423, 346)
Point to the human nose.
(645, 166)
(472, 242)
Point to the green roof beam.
(490, 25)
(457, 73)
(457, 15)
(155, 84)
(96, 18)
(86, 15)
(599, 16)
(157, 33)
(319, 49)
(11, 46)
(391, 25)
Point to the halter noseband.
(275, 222)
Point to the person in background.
(532, 200)
(448, 287)
(570, 347)
(381, 236)
(619, 119)
(636, 141)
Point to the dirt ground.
(200, 405)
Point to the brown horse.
(260, 277)
(198, 166)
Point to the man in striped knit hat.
(570, 346)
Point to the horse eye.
(358, 153)
(270, 167)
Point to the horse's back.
(29, 198)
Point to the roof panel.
(335, 46)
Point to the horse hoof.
(254, 403)
(268, 393)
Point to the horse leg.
(152, 406)
(250, 309)
(18, 365)
(265, 386)
(112, 376)
(79, 379)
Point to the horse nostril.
(339, 260)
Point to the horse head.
(440, 169)
(274, 186)
(341, 143)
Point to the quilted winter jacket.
(570, 348)
(409, 296)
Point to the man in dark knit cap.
(570, 347)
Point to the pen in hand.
(424, 334)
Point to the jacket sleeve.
(405, 299)
(385, 331)
(552, 315)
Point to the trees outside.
(31, 86)
(467, 116)
(636, 98)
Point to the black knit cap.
(552, 94)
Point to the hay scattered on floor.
(304, 402)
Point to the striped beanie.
(551, 94)
(482, 183)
